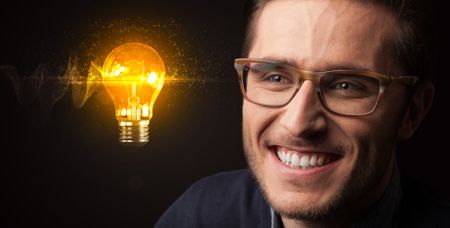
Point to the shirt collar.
(275, 219)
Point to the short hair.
(410, 46)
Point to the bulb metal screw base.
(135, 135)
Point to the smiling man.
(329, 88)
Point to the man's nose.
(304, 115)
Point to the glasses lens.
(268, 83)
(350, 94)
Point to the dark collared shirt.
(233, 199)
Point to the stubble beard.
(352, 188)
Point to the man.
(330, 86)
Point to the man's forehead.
(317, 9)
(323, 30)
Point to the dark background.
(65, 168)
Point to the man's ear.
(417, 109)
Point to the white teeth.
(288, 158)
(307, 160)
(313, 160)
(295, 161)
(320, 161)
(304, 162)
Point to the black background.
(65, 167)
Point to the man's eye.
(346, 86)
(276, 78)
(349, 89)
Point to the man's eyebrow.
(287, 61)
(329, 66)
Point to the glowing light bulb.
(133, 74)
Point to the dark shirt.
(233, 199)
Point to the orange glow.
(133, 74)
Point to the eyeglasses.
(345, 92)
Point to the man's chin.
(314, 194)
(302, 207)
(310, 199)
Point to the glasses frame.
(315, 77)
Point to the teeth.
(320, 161)
(304, 163)
(288, 158)
(295, 161)
(305, 160)
(313, 160)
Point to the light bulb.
(133, 74)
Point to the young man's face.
(356, 153)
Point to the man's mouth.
(304, 160)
